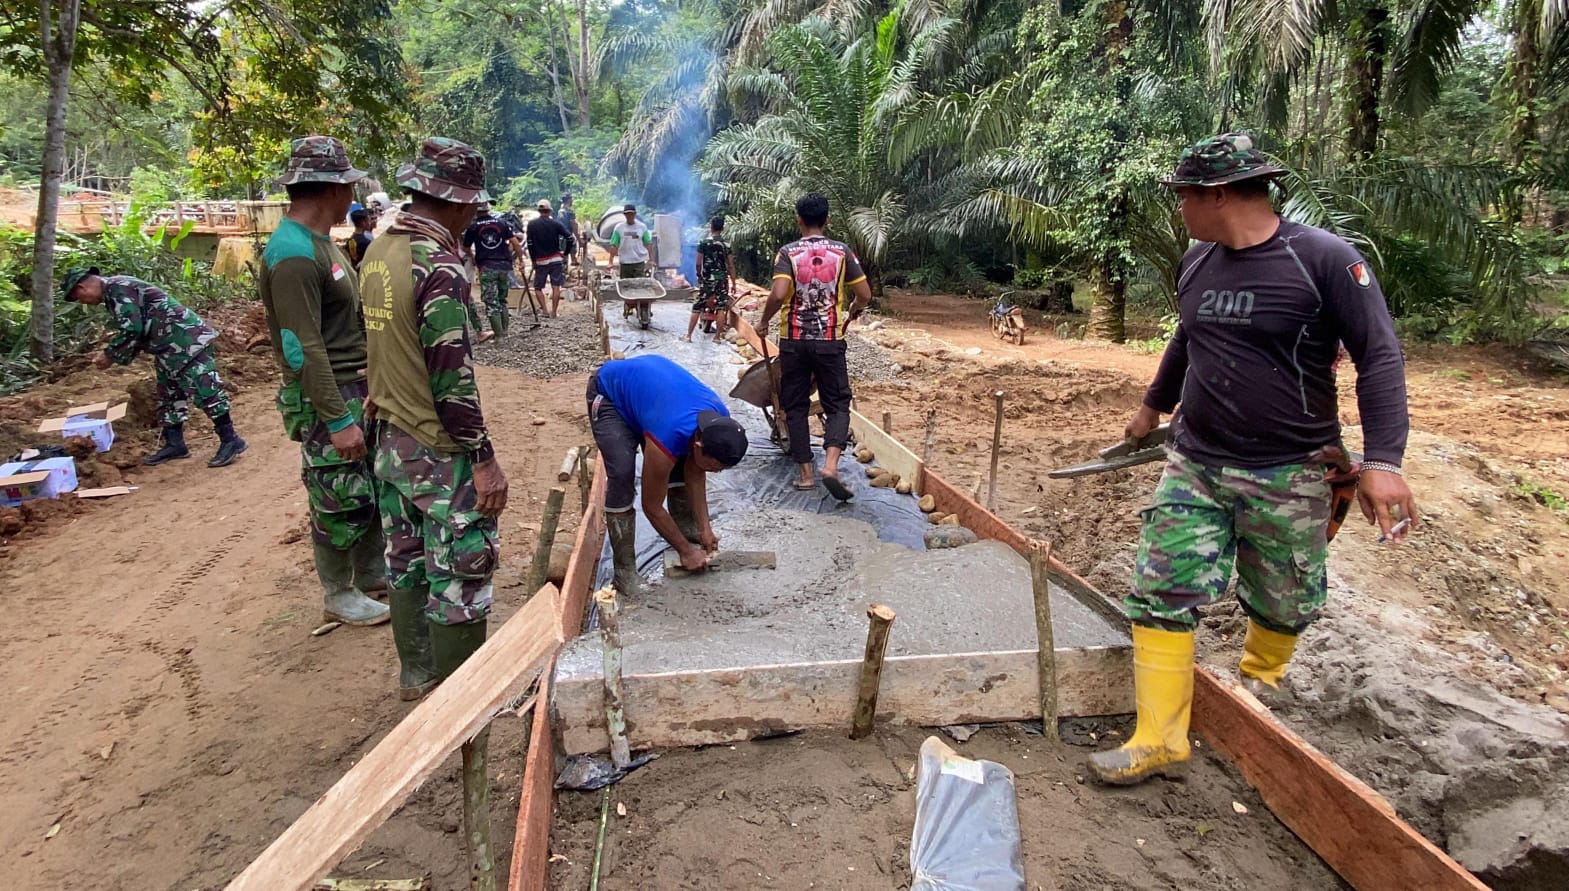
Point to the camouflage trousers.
(341, 494)
(493, 284)
(1270, 523)
(196, 381)
(434, 535)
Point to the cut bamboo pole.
(568, 464)
(604, 337)
(1046, 658)
(585, 477)
(991, 490)
(476, 812)
(547, 537)
(615, 717)
(931, 436)
(871, 670)
(888, 422)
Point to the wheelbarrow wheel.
(645, 314)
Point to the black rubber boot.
(173, 447)
(452, 645)
(680, 507)
(411, 635)
(622, 527)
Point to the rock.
(928, 503)
(885, 481)
(949, 520)
(934, 518)
(875, 472)
(538, 422)
(617, 354)
(948, 537)
(864, 455)
(973, 351)
(902, 487)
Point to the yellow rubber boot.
(1163, 693)
(1265, 655)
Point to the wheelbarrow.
(637, 298)
(757, 387)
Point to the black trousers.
(803, 363)
(618, 444)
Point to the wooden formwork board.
(698, 708)
(343, 817)
(890, 452)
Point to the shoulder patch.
(1361, 273)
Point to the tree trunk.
(59, 44)
(1368, 38)
(874, 279)
(583, 65)
(555, 71)
(1108, 309)
(1522, 138)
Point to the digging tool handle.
(991, 490)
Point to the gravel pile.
(869, 362)
(566, 345)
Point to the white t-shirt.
(631, 242)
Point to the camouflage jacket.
(147, 318)
(440, 289)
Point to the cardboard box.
(25, 480)
(94, 421)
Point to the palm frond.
(1428, 52)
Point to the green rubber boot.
(370, 563)
(680, 507)
(454, 644)
(622, 527)
(498, 323)
(341, 601)
(411, 635)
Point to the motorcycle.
(1008, 321)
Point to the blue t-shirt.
(658, 398)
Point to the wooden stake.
(931, 435)
(991, 491)
(871, 670)
(476, 812)
(568, 464)
(887, 422)
(1046, 660)
(585, 476)
(615, 717)
(547, 538)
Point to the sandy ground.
(175, 715)
(820, 811)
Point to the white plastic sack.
(966, 824)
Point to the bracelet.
(1382, 465)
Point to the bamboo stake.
(476, 812)
(604, 337)
(568, 464)
(615, 716)
(991, 490)
(585, 478)
(887, 422)
(931, 435)
(547, 537)
(871, 670)
(1046, 658)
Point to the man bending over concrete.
(685, 432)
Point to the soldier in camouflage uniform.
(441, 486)
(318, 336)
(147, 319)
(1264, 305)
(715, 280)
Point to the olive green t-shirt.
(312, 298)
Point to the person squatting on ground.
(318, 337)
(685, 433)
(715, 281)
(441, 487)
(494, 244)
(629, 246)
(550, 242)
(147, 319)
(814, 279)
(1264, 304)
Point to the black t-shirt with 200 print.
(1251, 362)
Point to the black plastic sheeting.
(765, 479)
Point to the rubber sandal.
(837, 488)
(804, 487)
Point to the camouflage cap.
(1218, 160)
(319, 159)
(73, 277)
(446, 169)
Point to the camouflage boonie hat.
(319, 159)
(446, 169)
(1227, 158)
(73, 277)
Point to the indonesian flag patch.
(337, 273)
(1361, 274)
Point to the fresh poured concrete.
(730, 655)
